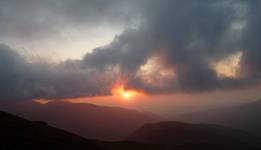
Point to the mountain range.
(87, 120)
(18, 133)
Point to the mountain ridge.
(87, 120)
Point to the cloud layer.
(190, 37)
(176, 46)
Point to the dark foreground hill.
(20, 134)
(87, 120)
(185, 136)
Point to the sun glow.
(229, 67)
(119, 89)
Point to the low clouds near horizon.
(170, 46)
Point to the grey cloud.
(23, 80)
(40, 19)
(251, 41)
(191, 34)
(129, 51)
(187, 36)
(12, 67)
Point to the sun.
(128, 94)
(119, 90)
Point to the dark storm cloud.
(192, 35)
(188, 36)
(40, 19)
(251, 40)
(129, 51)
(22, 80)
(13, 72)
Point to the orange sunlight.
(119, 90)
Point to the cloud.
(64, 29)
(189, 36)
(21, 79)
(186, 41)
(13, 73)
(42, 19)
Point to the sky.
(68, 49)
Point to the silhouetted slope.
(17, 133)
(87, 120)
(194, 136)
(21, 134)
